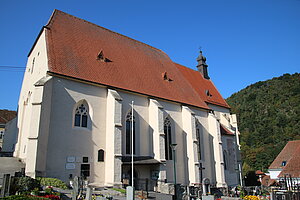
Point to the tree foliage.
(269, 116)
(54, 182)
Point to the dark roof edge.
(51, 17)
(217, 104)
(41, 31)
(113, 87)
(36, 40)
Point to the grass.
(123, 191)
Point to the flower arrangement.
(52, 196)
(251, 197)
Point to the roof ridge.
(294, 141)
(77, 18)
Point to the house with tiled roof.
(5, 117)
(287, 163)
(92, 99)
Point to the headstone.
(206, 187)
(208, 197)
(5, 185)
(129, 193)
(88, 193)
(75, 188)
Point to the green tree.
(269, 116)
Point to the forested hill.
(269, 116)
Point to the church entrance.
(145, 177)
(127, 177)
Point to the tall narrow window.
(85, 170)
(168, 139)
(198, 137)
(32, 66)
(101, 155)
(81, 115)
(129, 127)
(225, 159)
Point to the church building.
(91, 98)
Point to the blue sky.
(245, 41)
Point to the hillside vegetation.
(269, 116)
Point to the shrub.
(48, 190)
(23, 197)
(25, 184)
(54, 182)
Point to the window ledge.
(32, 138)
(118, 124)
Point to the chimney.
(202, 66)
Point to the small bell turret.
(202, 66)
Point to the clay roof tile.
(290, 155)
(74, 46)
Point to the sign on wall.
(70, 166)
(71, 159)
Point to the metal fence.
(285, 195)
(145, 184)
(5, 186)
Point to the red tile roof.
(204, 87)
(293, 165)
(7, 115)
(73, 47)
(291, 155)
(259, 172)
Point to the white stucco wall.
(214, 129)
(113, 168)
(65, 140)
(36, 68)
(274, 173)
(48, 139)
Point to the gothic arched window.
(81, 115)
(168, 139)
(198, 137)
(128, 133)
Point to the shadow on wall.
(65, 140)
(185, 158)
(212, 156)
(10, 138)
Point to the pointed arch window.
(198, 138)
(81, 115)
(168, 139)
(128, 136)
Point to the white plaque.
(70, 166)
(71, 159)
